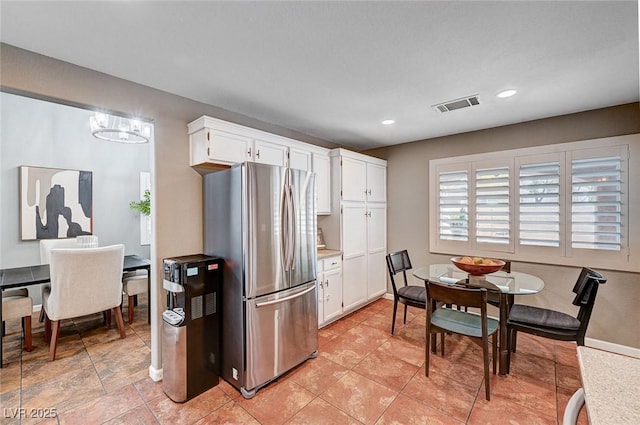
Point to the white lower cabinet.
(329, 290)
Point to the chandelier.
(119, 129)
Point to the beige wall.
(616, 315)
(177, 198)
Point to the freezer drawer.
(282, 332)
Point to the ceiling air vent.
(452, 105)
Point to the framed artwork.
(55, 203)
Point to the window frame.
(564, 254)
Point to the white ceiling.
(334, 69)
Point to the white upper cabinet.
(209, 145)
(216, 143)
(322, 168)
(376, 183)
(354, 179)
(300, 159)
(270, 153)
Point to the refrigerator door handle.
(288, 298)
(284, 249)
(292, 228)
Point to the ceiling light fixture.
(388, 122)
(119, 129)
(506, 93)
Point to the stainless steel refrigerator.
(261, 220)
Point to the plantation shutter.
(453, 198)
(492, 207)
(597, 203)
(539, 204)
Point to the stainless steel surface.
(262, 220)
(174, 361)
(282, 331)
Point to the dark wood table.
(34, 275)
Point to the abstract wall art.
(55, 203)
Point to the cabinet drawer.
(332, 263)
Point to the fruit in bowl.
(477, 266)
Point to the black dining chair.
(445, 319)
(555, 324)
(409, 295)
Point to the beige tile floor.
(363, 375)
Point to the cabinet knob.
(258, 153)
(369, 192)
(326, 282)
(249, 152)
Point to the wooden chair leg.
(47, 329)
(41, 316)
(485, 362)
(55, 325)
(107, 318)
(494, 350)
(119, 322)
(132, 304)
(26, 326)
(395, 309)
(427, 350)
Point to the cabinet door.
(270, 153)
(354, 230)
(354, 282)
(354, 248)
(332, 294)
(354, 179)
(227, 147)
(376, 183)
(322, 168)
(300, 159)
(376, 249)
(320, 289)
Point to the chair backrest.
(458, 295)
(586, 289)
(85, 281)
(398, 262)
(46, 245)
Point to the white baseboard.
(388, 296)
(155, 374)
(612, 347)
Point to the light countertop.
(326, 253)
(611, 383)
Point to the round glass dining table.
(506, 284)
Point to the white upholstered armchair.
(83, 281)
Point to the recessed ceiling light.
(507, 93)
(388, 122)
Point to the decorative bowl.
(478, 269)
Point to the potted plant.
(144, 205)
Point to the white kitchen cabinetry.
(300, 159)
(215, 143)
(210, 145)
(329, 289)
(359, 188)
(269, 153)
(322, 167)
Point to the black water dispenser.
(191, 325)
